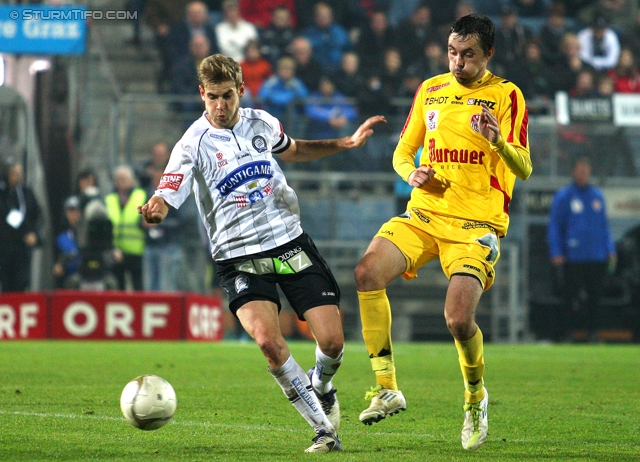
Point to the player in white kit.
(252, 219)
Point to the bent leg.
(326, 325)
(462, 299)
(260, 319)
(381, 263)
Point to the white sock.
(296, 386)
(326, 368)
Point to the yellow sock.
(375, 314)
(471, 358)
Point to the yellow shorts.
(463, 246)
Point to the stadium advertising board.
(204, 318)
(41, 30)
(116, 315)
(23, 316)
(110, 315)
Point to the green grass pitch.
(60, 401)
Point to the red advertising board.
(204, 318)
(23, 316)
(116, 315)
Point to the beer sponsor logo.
(461, 156)
(244, 174)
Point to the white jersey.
(240, 191)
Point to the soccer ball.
(148, 402)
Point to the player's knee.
(460, 327)
(272, 348)
(367, 277)
(332, 347)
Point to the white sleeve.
(279, 140)
(175, 184)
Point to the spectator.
(580, 248)
(410, 82)
(585, 86)
(399, 10)
(162, 260)
(283, 89)
(276, 39)
(631, 37)
(599, 45)
(328, 112)
(233, 33)
(185, 74)
(605, 85)
(564, 75)
(255, 68)
(348, 79)
(161, 15)
(415, 32)
(328, 39)
(626, 75)
(196, 22)
(373, 98)
(308, 69)
(489, 8)
(67, 250)
(260, 13)
(442, 15)
(20, 216)
(510, 39)
(532, 75)
(434, 61)
(392, 72)
(128, 234)
(376, 37)
(551, 34)
(463, 8)
(530, 8)
(159, 157)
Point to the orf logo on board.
(259, 143)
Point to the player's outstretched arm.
(155, 210)
(307, 150)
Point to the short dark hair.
(480, 26)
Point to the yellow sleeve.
(514, 122)
(516, 158)
(411, 138)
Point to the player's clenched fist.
(421, 176)
(155, 210)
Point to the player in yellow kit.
(473, 126)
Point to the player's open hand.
(365, 130)
(488, 125)
(421, 176)
(155, 210)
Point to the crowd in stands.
(373, 51)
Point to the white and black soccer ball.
(148, 402)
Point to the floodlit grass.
(60, 401)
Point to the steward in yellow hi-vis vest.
(474, 178)
(472, 127)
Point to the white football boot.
(476, 423)
(384, 402)
(325, 442)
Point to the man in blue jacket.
(581, 247)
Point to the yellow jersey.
(474, 178)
